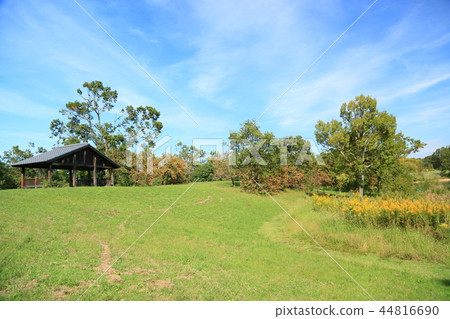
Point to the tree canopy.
(86, 121)
(275, 164)
(365, 143)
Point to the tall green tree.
(365, 142)
(86, 120)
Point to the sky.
(225, 62)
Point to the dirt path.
(106, 261)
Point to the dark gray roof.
(60, 152)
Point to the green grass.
(432, 174)
(216, 243)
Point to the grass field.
(215, 243)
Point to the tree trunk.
(361, 185)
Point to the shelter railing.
(35, 182)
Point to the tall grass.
(334, 231)
(429, 214)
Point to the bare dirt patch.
(114, 278)
(136, 288)
(122, 225)
(186, 276)
(109, 212)
(161, 284)
(74, 266)
(106, 261)
(30, 284)
(145, 272)
(202, 201)
(63, 292)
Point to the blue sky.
(225, 62)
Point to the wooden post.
(74, 175)
(35, 182)
(49, 172)
(95, 170)
(22, 177)
(70, 178)
(89, 178)
(112, 177)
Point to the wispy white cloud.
(429, 148)
(417, 87)
(227, 60)
(16, 103)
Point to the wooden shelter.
(74, 157)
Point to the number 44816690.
(410, 310)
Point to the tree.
(440, 160)
(252, 155)
(86, 121)
(365, 142)
(10, 176)
(190, 154)
(272, 163)
(203, 173)
(16, 154)
(222, 169)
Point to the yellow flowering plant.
(415, 213)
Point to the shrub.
(9, 177)
(285, 177)
(203, 173)
(172, 172)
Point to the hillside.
(215, 243)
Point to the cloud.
(432, 145)
(226, 61)
(375, 68)
(16, 103)
(417, 87)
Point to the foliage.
(317, 177)
(53, 182)
(415, 166)
(397, 179)
(174, 171)
(423, 213)
(16, 154)
(123, 177)
(8, 176)
(86, 121)
(190, 154)
(223, 171)
(365, 143)
(273, 164)
(203, 172)
(440, 160)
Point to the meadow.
(215, 243)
